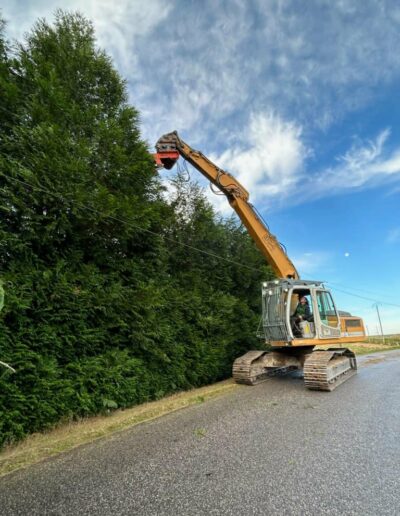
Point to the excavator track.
(245, 371)
(256, 366)
(324, 370)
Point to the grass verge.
(376, 344)
(372, 345)
(38, 447)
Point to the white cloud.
(203, 71)
(202, 68)
(118, 25)
(269, 159)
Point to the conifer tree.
(72, 164)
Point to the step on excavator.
(292, 338)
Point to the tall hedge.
(108, 301)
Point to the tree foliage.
(109, 303)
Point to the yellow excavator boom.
(170, 146)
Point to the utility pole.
(380, 322)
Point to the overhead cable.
(130, 223)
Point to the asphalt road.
(271, 449)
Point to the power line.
(358, 289)
(188, 246)
(363, 297)
(130, 223)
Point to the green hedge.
(104, 307)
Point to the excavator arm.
(170, 146)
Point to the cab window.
(326, 309)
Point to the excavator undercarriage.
(323, 370)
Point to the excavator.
(292, 342)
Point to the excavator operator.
(302, 313)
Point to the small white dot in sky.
(347, 255)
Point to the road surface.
(271, 449)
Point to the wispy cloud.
(363, 165)
(268, 157)
(245, 81)
(236, 57)
(272, 162)
(202, 68)
(119, 25)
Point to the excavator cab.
(282, 328)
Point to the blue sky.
(299, 100)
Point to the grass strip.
(375, 345)
(362, 350)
